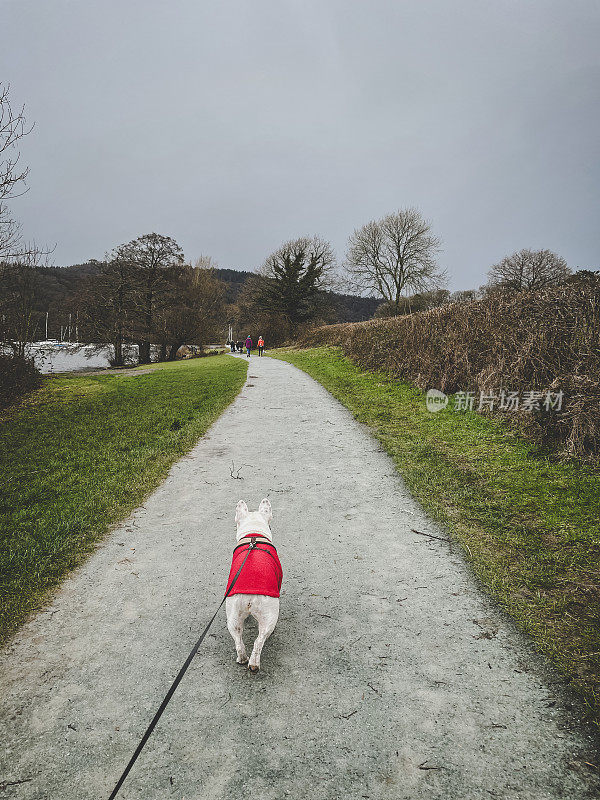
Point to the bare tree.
(13, 127)
(528, 269)
(150, 260)
(19, 290)
(188, 306)
(195, 311)
(106, 305)
(392, 255)
(19, 276)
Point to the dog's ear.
(265, 509)
(241, 511)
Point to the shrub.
(18, 376)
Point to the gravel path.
(389, 675)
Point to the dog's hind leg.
(266, 616)
(236, 616)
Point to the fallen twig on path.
(347, 716)
(3, 786)
(237, 473)
(431, 536)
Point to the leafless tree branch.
(528, 269)
(392, 255)
(13, 127)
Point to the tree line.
(144, 293)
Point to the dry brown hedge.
(532, 341)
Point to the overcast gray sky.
(234, 125)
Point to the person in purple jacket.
(248, 345)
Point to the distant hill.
(57, 283)
(60, 282)
(351, 308)
(235, 279)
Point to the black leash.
(177, 681)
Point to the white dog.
(256, 590)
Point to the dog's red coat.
(262, 572)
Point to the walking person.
(261, 345)
(248, 345)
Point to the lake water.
(52, 357)
(68, 357)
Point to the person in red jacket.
(248, 345)
(261, 345)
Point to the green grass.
(81, 452)
(529, 526)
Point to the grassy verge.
(530, 527)
(81, 452)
